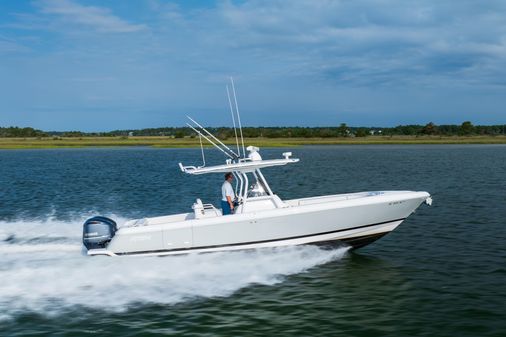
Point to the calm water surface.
(441, 273)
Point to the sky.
(107, 65)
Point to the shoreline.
(169, 142)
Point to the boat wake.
(43, 271)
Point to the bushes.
(15, 131)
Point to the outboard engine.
(98, 231)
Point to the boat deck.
(261, 205)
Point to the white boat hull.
(356, 219)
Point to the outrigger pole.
(210, 141)
(224, 148)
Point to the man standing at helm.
(228, 195)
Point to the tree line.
(343, 130)
(15, 131)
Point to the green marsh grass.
(169, 142)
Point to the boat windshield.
(251, 184)
(259, 187)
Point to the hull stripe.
(256, 242)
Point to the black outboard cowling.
(98, 231)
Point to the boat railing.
(331, 198)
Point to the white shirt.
(227, 191)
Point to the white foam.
(49, 277)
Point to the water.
(441, 273)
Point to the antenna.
(233, 120)
(238, 116)
(216, 139)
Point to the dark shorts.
(225, 208)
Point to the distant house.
(130, 134)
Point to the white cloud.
(290, 55)
(98, 18)
(372, 42)
(11, 46)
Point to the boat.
(261, 217)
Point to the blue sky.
(102, 65)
